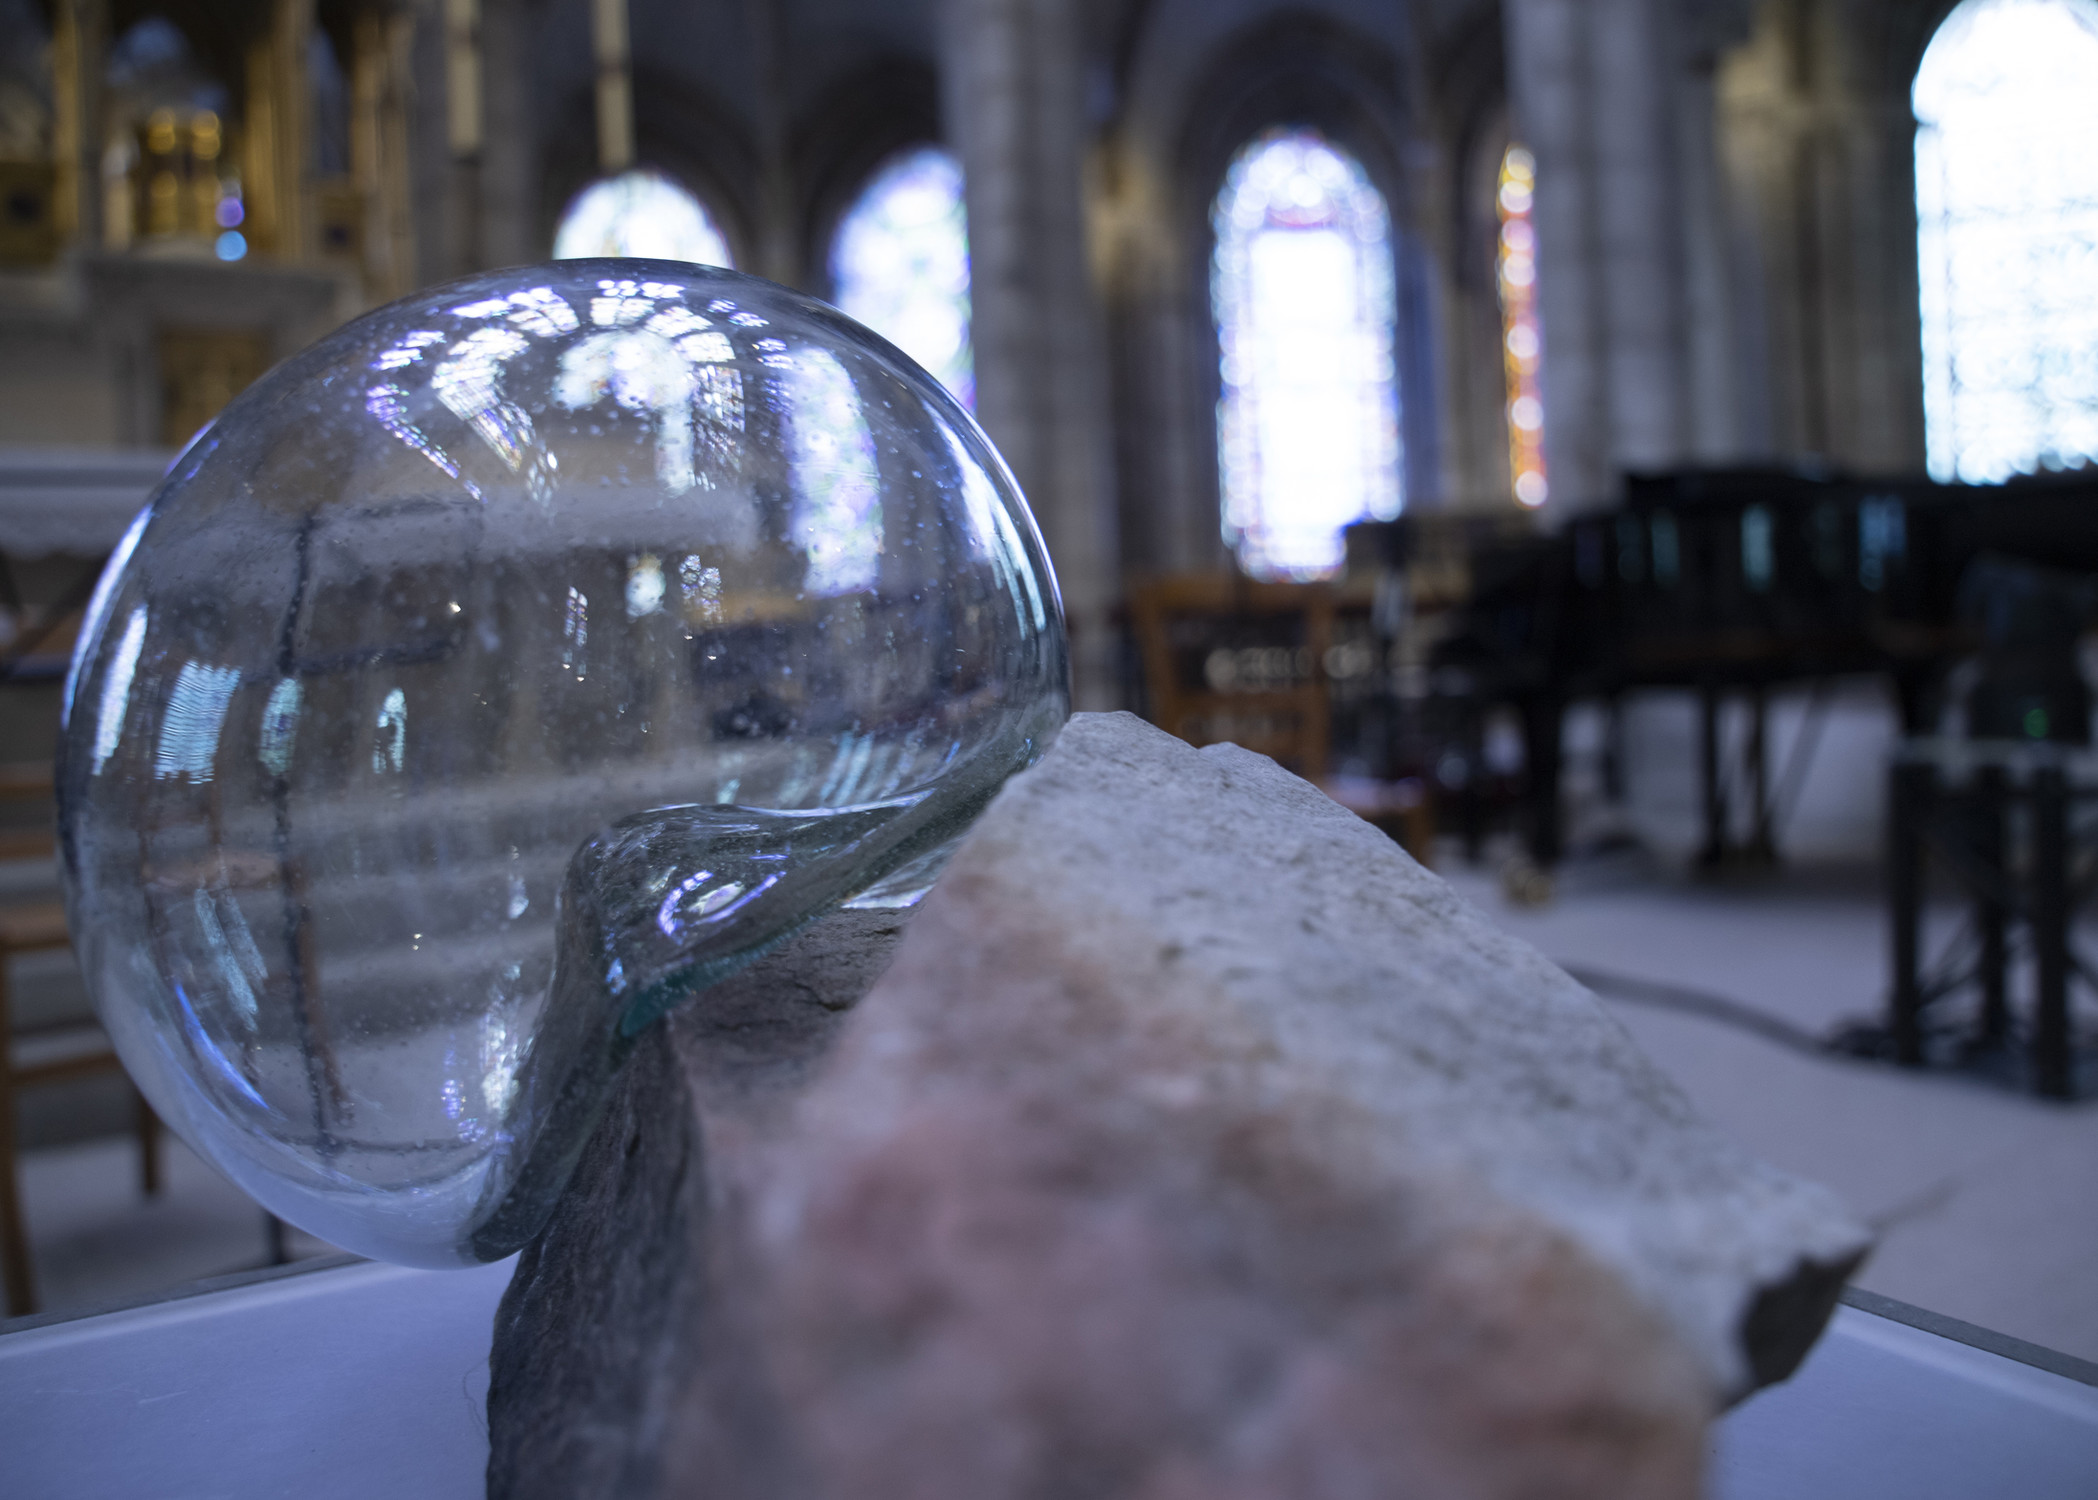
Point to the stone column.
(508, 234)
(1013, 98)
(775, 249)
(379, 154)
(1621, 130)
(1817, 139)
(615, 86)
(291, 35)
(1638, 271)
(79, 42)
(1717, 420)
(279, 134)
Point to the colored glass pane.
(1522, 338)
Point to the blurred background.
(1637, 452)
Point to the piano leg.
(1991, 912)
(1909, 799)
(1543, 720)
(1710, 782)
(2050, 932)
(1762, 843)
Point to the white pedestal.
(367, 1381)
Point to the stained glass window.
(1307, 426)
(900, 264)
(837, 486)
(640, 213)
(2007, 238)
(1522, 340)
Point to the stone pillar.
(1638, 269)
(291, 35)
(466, 131)
(1622, 135)
(1717, 419)
(279, 134)
(508, 235)
(79, 42)
(615, 86)
(379, 150)
(426, 115)
(776, 247)
(1013, 97)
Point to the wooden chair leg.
(19, 1274)
(148, 1126)
(1420, 833)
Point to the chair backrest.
(27, 812)
(1228, 658)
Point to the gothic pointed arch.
(1308, 419)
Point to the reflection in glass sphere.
(900, 264)
(640, 213)
(495, 675)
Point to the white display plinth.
(360, 1381)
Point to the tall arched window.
(1307, 427)
(2007, 237)
(900, 264)
(640, 213)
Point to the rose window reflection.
(642, 214)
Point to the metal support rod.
(2050, 932)
(1991, 915)
(1909, 786)
(1613, 750)
(615, 88)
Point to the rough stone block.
(1195, 1142)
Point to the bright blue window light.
(1308, 423)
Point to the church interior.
(1640, 454)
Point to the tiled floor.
(1987, 1200)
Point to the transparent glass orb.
(495, 675)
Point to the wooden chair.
(20, 784)
(44, 1057)
(1227, 658)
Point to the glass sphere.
(495, 675)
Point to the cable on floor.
(1703, 1004)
